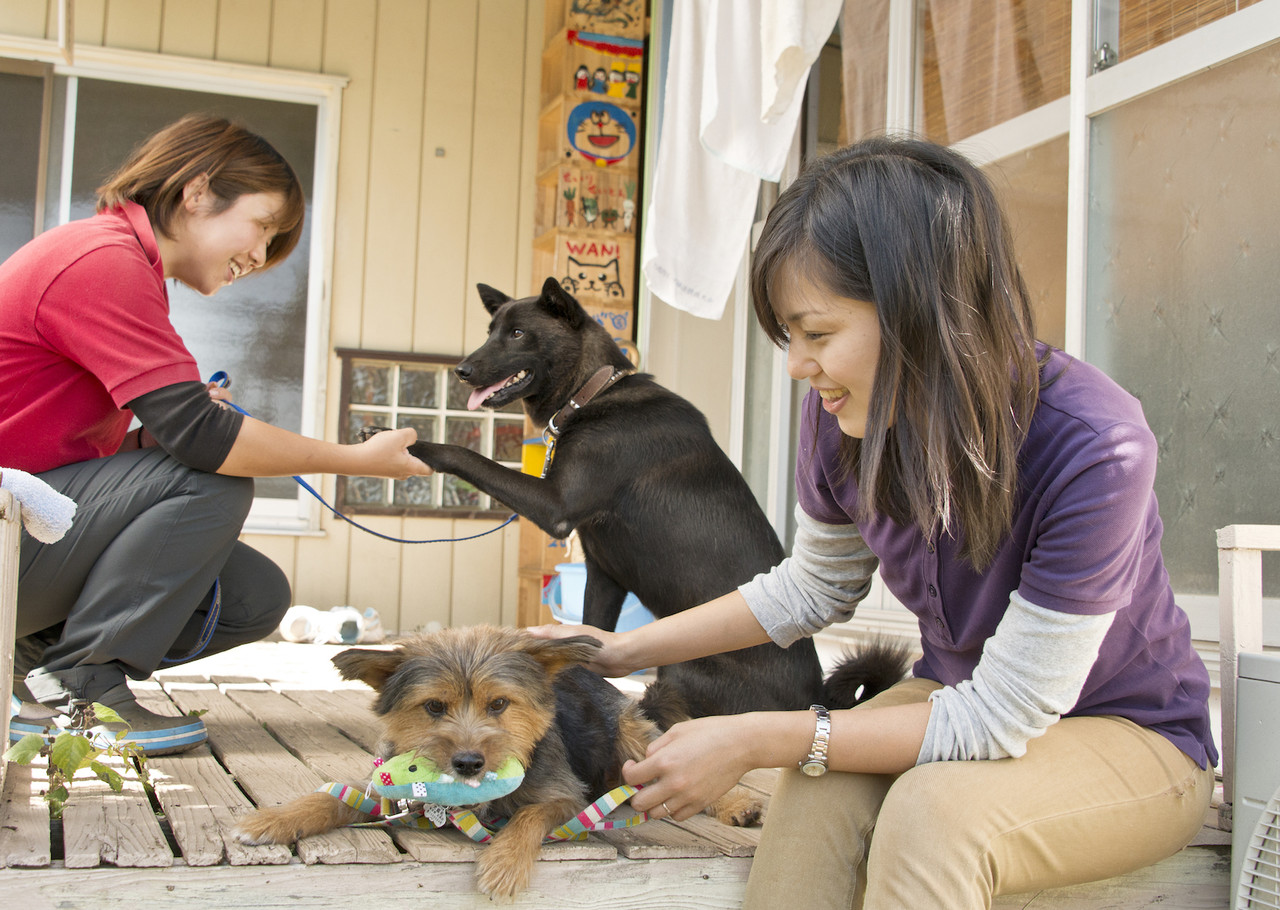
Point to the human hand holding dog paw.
(388, 454)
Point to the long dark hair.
(916, 230)
(236, 162)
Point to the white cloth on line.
(724, 75)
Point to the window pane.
(413, 491)
(1133, 26)
(21, 101)
(468, 433)
(426, 426)
(256, 330)
(508, 440)
(1184, 262)
(370, 384)
(357, 420)
(366, 491)
(1032, 187)
(985, 61)
(418, 388)
(460, 494)
(459, 392)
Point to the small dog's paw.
(502, 874)
(739, 808)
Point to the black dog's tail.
(868, 671)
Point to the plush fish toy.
(415, 777)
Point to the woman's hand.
(610, 661)
(695, 763)
(220, 393)
(388, 455)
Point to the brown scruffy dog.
(468, 699)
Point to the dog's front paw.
(502, 873)
(367, 433)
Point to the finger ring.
(665, 806)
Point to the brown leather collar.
(600, 380)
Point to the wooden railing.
(10, 532)
(1240, 549)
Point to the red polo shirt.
(84, 329)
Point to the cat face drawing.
(598, 278)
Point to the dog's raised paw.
(368, 432)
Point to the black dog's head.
(540, 351)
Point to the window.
(421, 391)
(74, 124)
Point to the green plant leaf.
(107, 776)
(25, 750)
(70, 752)
(56, 797)
(106, 715)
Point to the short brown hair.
(236, 162)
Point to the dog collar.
(600, 380)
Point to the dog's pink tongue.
(479, 396)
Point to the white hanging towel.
(735, 85)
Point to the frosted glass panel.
(1184, 296)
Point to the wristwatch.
(816, 763)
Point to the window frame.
(300, 515)
(490, 419)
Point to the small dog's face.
(466, 699)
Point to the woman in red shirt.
(152, 570)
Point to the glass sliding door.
(1183, 295)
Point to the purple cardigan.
(1085, 540)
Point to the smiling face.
(209, 248)
(834, 345)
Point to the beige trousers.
(1092, 798)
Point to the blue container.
(567, 608)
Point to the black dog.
(659, 508)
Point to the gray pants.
(130, 585)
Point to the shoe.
(300, 623)
(154, 734)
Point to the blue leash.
(222, 380)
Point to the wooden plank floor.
(281, 722)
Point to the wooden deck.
(281, 722)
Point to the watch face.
(814, 768)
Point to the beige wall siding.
(435, 193)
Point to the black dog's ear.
(561, 304)
(492, 298)
(373, 668)
(558, 653)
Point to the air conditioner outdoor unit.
(1255, 835)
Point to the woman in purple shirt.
(1056, 727)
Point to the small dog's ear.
(561, 304)
(373, 668)
(492, 298)
(558, 653)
